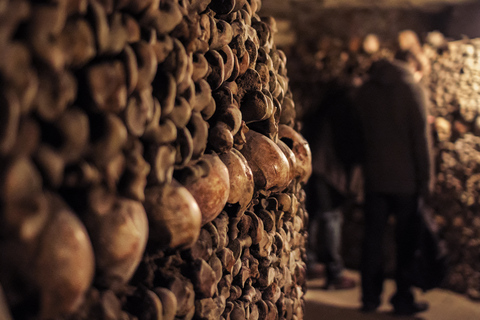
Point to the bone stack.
(150, 167)
(454, 85)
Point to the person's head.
(408, 40)
(412, 61)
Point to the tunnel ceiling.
(387, 3)
(429, 5)
(456, 19)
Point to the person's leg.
(313, 205)
(405, 209)
(372, 270)
(332, 234)
(323, 194)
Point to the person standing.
(397, 172)
(331, 132)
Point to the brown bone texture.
(140, 170)
(455, 125)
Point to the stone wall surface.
(150, 163)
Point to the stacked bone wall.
(150, 163)
(454, 86)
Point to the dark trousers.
(330, 222)
(325, 205)
(330, 230)
(378, 207)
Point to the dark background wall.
(345, 18)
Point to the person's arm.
(421, 140)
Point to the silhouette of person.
(331, 132)
(397, 171)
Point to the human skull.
(443, 128)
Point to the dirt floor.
(345, 304)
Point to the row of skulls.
(131, 123)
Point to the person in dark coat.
(397, 171)
(331, 132)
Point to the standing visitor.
(332, 131)
(397, 172)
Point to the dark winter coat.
(333, 134)
(392, 109)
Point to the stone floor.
(344, 304)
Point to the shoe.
(341, 283)
(408, 310)
(315, 271)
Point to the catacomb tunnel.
(156, 155)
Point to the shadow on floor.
(315, 310)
